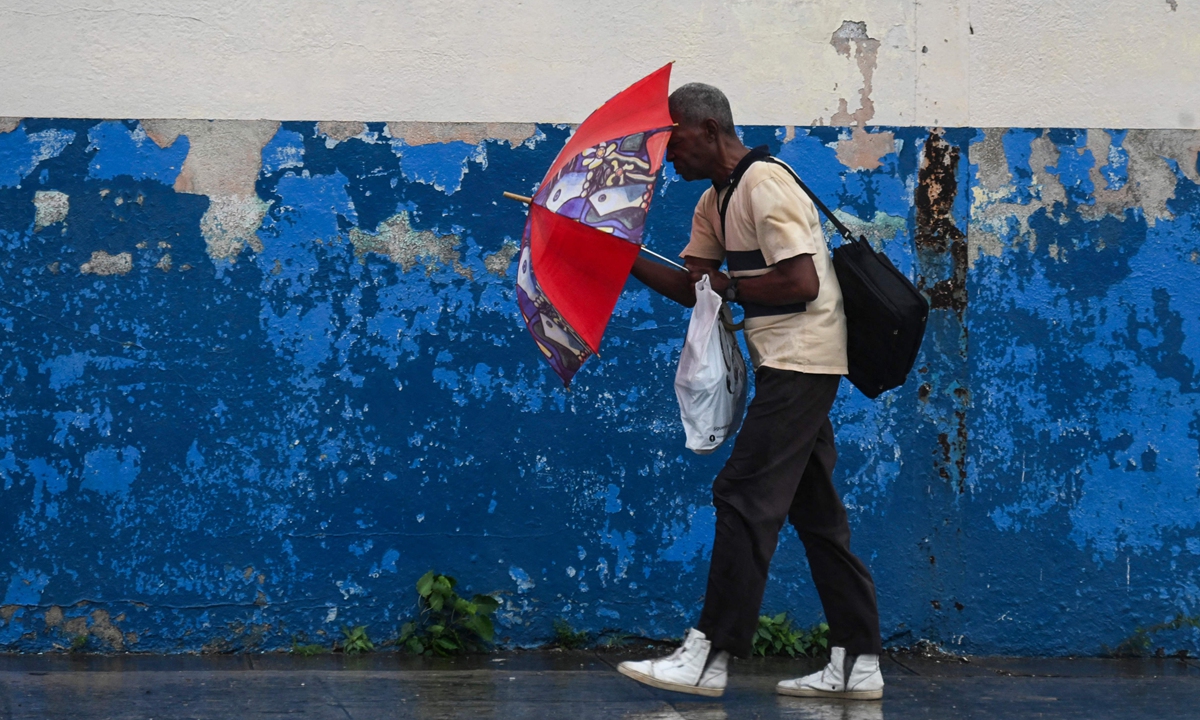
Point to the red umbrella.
(586, 220)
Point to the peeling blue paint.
(440, 165)
(230, 454)
(122, 150)
(21, 152)
(109, 470)
(25, 587)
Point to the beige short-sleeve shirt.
(769, 219)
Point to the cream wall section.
(1126, 63)
(1085, 63)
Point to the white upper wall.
(981, 63)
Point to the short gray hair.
(694, 103)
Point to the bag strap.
(759, 153)
(762, 154)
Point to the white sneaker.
(854, 677)
(687, 670)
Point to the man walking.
(781, 468)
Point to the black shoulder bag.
(885, 313)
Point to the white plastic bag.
(711, 380)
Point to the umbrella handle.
(643, 248)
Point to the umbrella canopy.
(585, 222)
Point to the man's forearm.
(666, 281)
(774, 289)
(793, 280)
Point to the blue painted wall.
(214, 437)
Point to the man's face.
(690, 151)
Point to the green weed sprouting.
(306, 649)
(777, 636)
(568, 638)
(447, 624)
(1138, 644)
(355, 640)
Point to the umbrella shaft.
(648, 251)
(668, 261)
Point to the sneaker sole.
(845, 695)
(673, 687)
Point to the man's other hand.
(718, 280)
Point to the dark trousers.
(782, 468)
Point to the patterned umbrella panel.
(586, 220)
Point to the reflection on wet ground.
(571, 685)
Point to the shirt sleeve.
(704, 242)
(784, 218)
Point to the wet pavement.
(575, 685)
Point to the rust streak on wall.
(942, 247)
(936, 232)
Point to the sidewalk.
(575, 685)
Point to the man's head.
(705, 127)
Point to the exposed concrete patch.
(336, 131)
(223, 162)
(54, 617)
(395, 238)
(981, 241)
(75, 627)
(862, 150)
(7, 612)
(104, 264)
(989, 156)
(231, 223)
(1151, 181)
(1043, 154)
(50, 206)
(8, 124)
(224, 156)
(104, 629)
(426, 133)
(497, 263)
(164, 263)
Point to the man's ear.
(712, 130)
